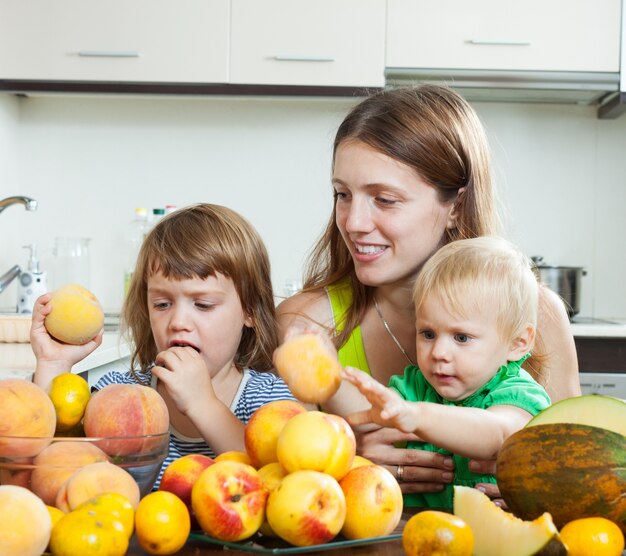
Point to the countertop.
(598, 328)
(18, 360)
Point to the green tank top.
(352, 353)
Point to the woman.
(411, 173)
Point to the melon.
(497, 532)
(568, 469)
(605, 412)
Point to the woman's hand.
(487, 467)
(422, 471)
(54, 357)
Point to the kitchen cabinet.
(504, 35)
(300, 42)
(176, 41)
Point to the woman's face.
(391, 220)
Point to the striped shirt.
(256, 389)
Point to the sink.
(14, 328)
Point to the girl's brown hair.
(197, 242)
(434, 131)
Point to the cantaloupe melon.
(604, 412)
(497, 532)
(568, 469)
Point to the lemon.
(592, 535)
(115, 504)
(69, 394)
(89, 534)
(162, 523)
(433, 533)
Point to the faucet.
(28, 202)
(9, 276)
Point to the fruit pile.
(127, 426)
(298, 480)
(563, 479)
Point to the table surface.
(200, 548)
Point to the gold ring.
(400, 473)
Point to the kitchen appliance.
(564, 280)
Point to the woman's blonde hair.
(197, 242)
(483, 272)
(434, 131)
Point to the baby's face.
(458, 354)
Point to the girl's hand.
(54, 357)
(422, 471)
(185, 376)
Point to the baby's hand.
(388, 408)
(185, 376)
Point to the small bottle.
(137, 233)
(157, 214)
(169, 209)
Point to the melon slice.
(604, 412)
(497, 532)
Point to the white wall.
(90, 161)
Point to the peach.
(76, 316)
(272, 474)
(25, 523)
(17, 473)
(27, 411)
(263, 428)
(94, 479)
(309, 367)
(126, 410)
(358, 461)
(234, 455)
(317, 441)
(373, 502)
(54, 465)
(180, 475)
(228, 500)
(307, 508)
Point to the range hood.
(586, 88)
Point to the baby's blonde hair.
(482, 271)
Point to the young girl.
(200, 312)
(476, 311)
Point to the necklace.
(393, 336)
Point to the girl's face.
(204, 314)
(390, 219)
(460, 354)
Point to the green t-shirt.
(511, 385)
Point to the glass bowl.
(39, 463)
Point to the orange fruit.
(433, 533)
(592, 535)
(69, 394)
(114, 504)
(162, 523)
(88, 533)
(234, 455)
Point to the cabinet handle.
(109, 53)
(481, 42)
(295, 58)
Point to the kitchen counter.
(18, 360)
(598, 328)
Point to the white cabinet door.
(553, 35)
(115, 40)
(308, 42)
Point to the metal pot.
(564, 280)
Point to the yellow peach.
(263, 428)
(309, 367)
(76, 316)
(317, 441)
(25, 523)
